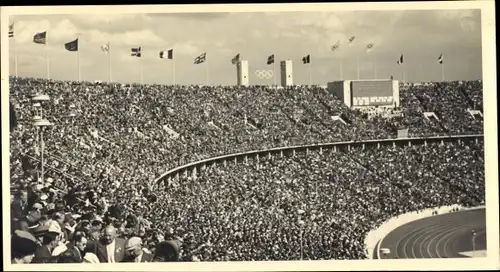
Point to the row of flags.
(41, 38)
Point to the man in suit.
(44, 253)
(19, 206)
(109, 249)
(77, 247)
(135, 254)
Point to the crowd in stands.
(110, 142)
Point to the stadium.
(256, 171)
(107, 168)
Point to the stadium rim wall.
(194, 167)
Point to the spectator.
(135, 253)
(109, 249)
(44, 253)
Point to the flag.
(351, 39)
(369, 47)
(336, 46)
(136, 52)
(440, 59)
(169, 55)
(306, 59)
(201, 58)
(11, 30)
(270, 59)
(400, 60)
(105, 48)
(40, 38)
(72, 46)
(236, 59)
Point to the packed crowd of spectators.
(110, 141)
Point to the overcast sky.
(420, 35)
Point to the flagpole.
(274, 72)
(109, 53)
(47, 56)
(357, 61)
(142, 71)
(206, 69)
(375, 69)
(341, 69)
(15, 55)
(173, 69)
(310, 73)
(78, 57)
(442, 71)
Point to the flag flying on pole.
(351, 39)
(72, 46)
(169, 54)
(105, 48)
(236, 59)
(270, 59)
(306, 59)
(369, 47)
(11, 30)
(336, 46)
(400, 60)
(440, 59)
(201, 58)
(136, 52)
(40, 38)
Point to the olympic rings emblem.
(264, 74)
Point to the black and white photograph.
(270, 134)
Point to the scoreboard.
(363, 93)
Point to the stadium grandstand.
(230, 173)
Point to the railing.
(194, 167)
(49, 168)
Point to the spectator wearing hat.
(31, 220)
(68, 257)
(135, 253)
(44, 253)
(23, 247)
(110, 248)
(167, 251)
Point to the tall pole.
(78, 56)
(341, 69)
(442, 71)
(357, 62)
(37, 141)
(206, 70)
(310, 73)
(274, 72)
(173, 70)
(41, 156)
(374, 70)
(109, 53)
(15, 55)
(142, 70)
(47, 56)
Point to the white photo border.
(490, 138)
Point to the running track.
(440, 236)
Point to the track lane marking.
(426, 231)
